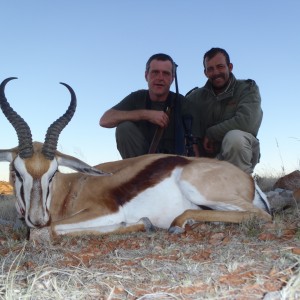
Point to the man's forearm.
(113, 117)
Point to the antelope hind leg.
(192, 216)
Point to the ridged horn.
(56, 127)
(21, 127)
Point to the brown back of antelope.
(161, 190)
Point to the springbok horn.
(56, 127)
(22, 129)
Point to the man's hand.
(159, 118)
(209, 145)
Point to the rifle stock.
(158, 134)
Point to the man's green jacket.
(239, 107)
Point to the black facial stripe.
(48, 188)
(18, 175)
(22, 195)
(21, 191)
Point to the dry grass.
(211, 261)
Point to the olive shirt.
(168, 143)
(239, 107)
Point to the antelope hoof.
(190, 222)
(176, 230)
(148, 225)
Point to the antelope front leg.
(67, 227)
(192, 216)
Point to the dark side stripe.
(148, 177)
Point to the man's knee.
(125, 128)
(234, 139)
(130, 140)
(240, 148)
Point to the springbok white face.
(33, 192)
(32, 178)
(33, 164)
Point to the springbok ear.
(8, 155)
(78, 165)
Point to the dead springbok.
(165, 191)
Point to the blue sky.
(100, 48)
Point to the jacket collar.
(227, 93)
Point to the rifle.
(187, 123)
(158, 134)
(168, 110)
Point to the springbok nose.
(38, 222)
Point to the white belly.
(161, 204)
